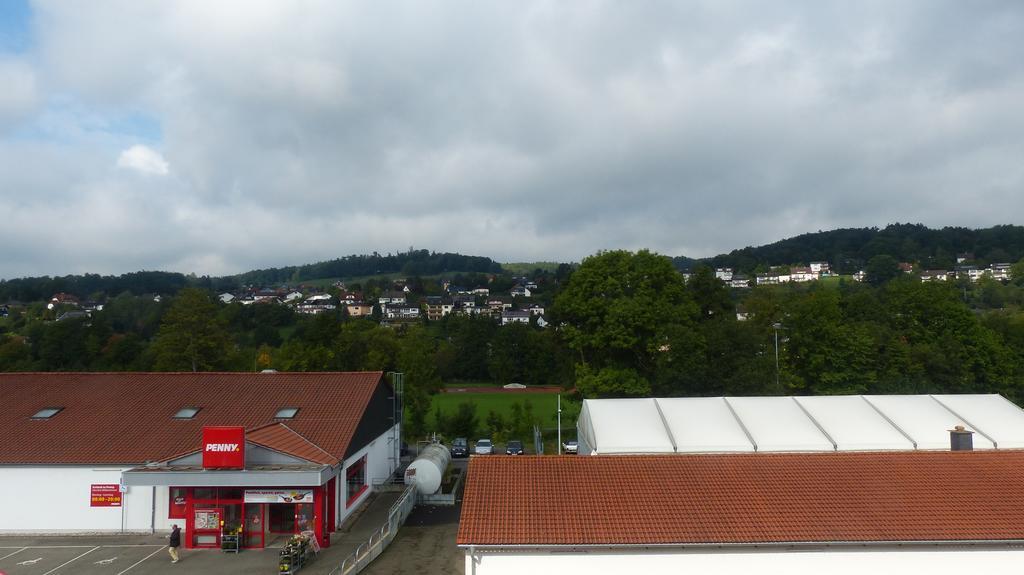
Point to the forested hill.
(849, 249)
(410, 263)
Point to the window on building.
(355, 481)
(187, 412)
(286, 413)
(47, 412)
(176, 503)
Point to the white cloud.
(18, 92)
(143, 159)
(532, 130)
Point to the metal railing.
(379, 541)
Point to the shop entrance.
(255, 526)
(290, 517)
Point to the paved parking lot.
(128, 555)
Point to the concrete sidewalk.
(343, 543)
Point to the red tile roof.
(126, 418)
(744, 498)
(280, 437)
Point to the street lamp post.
(776, 326)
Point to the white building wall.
(380, 464)
(853, 562)
(55, 499)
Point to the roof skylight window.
(47, 412)
(187, 412)
(286, 413)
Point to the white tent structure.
(789, 424)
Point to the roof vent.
(960, 439)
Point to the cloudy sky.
(217, 137)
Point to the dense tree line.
(622, 324)
(638, 331)
(89, 285)
(849, 250)
(411, 263)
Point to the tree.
(191, 336)
(881, 269)
(618, 312)
(463, 422)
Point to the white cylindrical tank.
(427, 470)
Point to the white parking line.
(15, 553)
(143, 559)
(71, 561)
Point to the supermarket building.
(270, 453)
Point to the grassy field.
(544, 404)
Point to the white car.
(570, 447)
(483, 447)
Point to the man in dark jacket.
(174, 543)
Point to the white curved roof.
(785, 424)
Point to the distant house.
(392, 298)
(226, 297)
(964, 257)
(464, 301)
(934, 275)
(767, 279)
(739, 281)
(73, 314)
(62, 299)
(293, 296)
(724, 274)
(515, 316)
(400, 311)
(536, 309)
(802, 274)
(906, 267)
(266, 294)
(351, 297)
(972, 273)
(741, 313)
(359, 309)
(498, 305)
(820, 268)
(520, 291)
(437, 307)
(316, 304)
(860, 276)
(1001, 272)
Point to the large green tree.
(192, 337)
(619, 312)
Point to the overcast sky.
(218, 137)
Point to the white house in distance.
(277, 453)
(935, 512)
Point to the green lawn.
(544, 404)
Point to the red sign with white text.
(105, 495)
(223, 447)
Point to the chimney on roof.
(960, 439)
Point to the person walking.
(174, 543)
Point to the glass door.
(255, 525)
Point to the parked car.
(483, 447)
(514, 447)
(460, 447)
(570, 447)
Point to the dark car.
(514, 447)
(460, 447)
